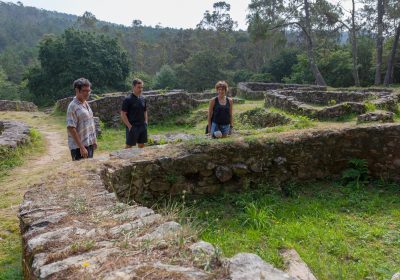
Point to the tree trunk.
(310, 47)
(390, 64)
(379, 42)
(354, 46)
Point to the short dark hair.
(137, 81)
(80, 83)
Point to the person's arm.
(210, 112)
(231, 110)
(77, 139)
(146, 119)
(124, 118)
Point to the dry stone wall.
(210, 168)
(252, 90)
(8, 105)
(160, 106)
(82, 231)
(13, 134)
(298, 102)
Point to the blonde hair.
(221, 84)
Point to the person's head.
(137, 86)
(221, 87)
(82, 89)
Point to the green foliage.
(256, 217)
(339, 233)
(301, 73)
(336, 67)
(10, 158)
(8, 90)
(261, 77)
(356, 175)
(281, 66)
(200, 71)
(165, 78)
(77, 54)
(365, 50)
(242, 76)
(370, 106)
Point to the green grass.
(340, 232)
(10, 242)
(10, 158)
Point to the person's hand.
(129, 128)
(84, 152)
(94, 146)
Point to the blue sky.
(167, 13)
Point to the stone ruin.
(316, 102)
(13, 134)
(8, 105)
(161, 104)
(88, 230)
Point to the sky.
(167, 13)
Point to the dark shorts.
(76, 153)
(137, 134)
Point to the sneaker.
(217, 134)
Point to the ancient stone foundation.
(252, 90)
(221, 166)
(8, 105)
(78, 226)
(160, 106)
(81, 231)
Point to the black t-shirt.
(135, 107)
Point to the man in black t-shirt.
(134, 116)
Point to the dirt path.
(13, 187)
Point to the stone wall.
(81, 231)
(326, 98)
(13, 134)
(292, 105)
(8, 105)
(223, 166)
(160, 106)
(297, 102)
(252, 90)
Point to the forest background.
(289, 41)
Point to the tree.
(87, 21)
(8, 90)
(379, 42)
(200, 71)
(352, 26)
(219, 19)
(165, 78)
(394, 14)
(269, 15)
(77, 54)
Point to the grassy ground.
(10, 247)
(340, 232)
(18, 170)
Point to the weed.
(171, 178)
(78, 205)
(370, 107)
(82, 246)
(256, 217)
(357, 174)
